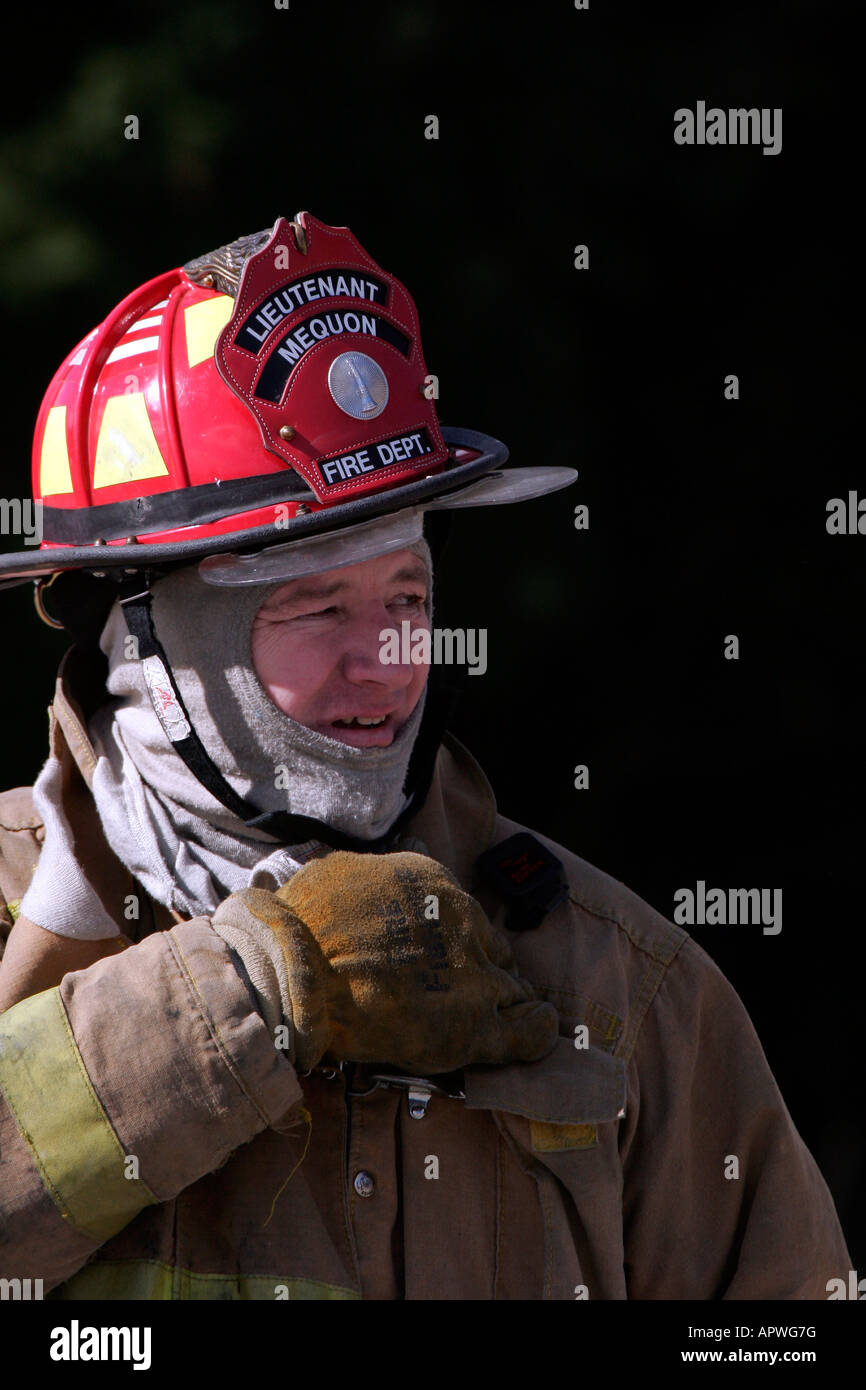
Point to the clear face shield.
(367, 540)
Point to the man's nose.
(370, 656)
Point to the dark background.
(707, 517)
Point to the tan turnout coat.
(154, 1143)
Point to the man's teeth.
(364, 723)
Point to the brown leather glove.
(388, 960)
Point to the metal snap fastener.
(418, 1100)
(364, 1184)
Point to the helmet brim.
(476, 482)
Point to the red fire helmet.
(269, 391)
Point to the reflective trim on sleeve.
(79, 1156)
(151, 1279)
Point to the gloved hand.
(383, 958)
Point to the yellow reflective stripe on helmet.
(55, 476)
(126, 449)
(150, 1279)
(79, 1157)
(203, 323)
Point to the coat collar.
(567, 1087)
(75, 679)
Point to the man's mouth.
(357, 722)
(364, 730)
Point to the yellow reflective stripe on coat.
(150, 1279)
(79, 1156)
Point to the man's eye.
(305, 614)
(409, 599)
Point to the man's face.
(316, 645)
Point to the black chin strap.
(442, 695)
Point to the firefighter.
(289, 1010)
